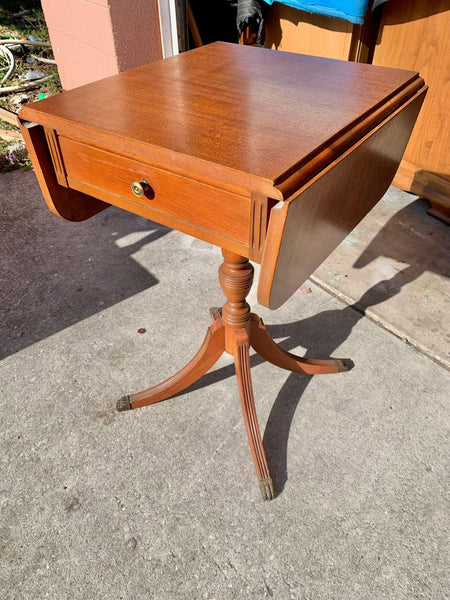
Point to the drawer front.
(108, 177)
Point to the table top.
(219, 135)
(242, 115)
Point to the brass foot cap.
(344, 365)
(266, 487)
(123, 404)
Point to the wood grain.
(236, 279)
(9, 116)
(206, 357)
(222, 133)
(305, 170)
(10, 136)
(306, 229)
(55, 153)
(109, 175)
(63, 202)
(416, 35)
(426, 185)
(236, 114)
(293, 30)
(272, 352)
(244, 379)
(261, 206)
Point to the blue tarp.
(350, 10)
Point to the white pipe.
(6, 52)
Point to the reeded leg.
(233, 330)
(270, 351)
(242, 364)
(209, 353)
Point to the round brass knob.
(139, 188)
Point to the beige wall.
(93, 39)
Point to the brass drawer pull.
(141, 188)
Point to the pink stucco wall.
(92, 39)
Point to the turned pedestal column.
(233, 330)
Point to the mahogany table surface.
(246, 116)
(222, 134)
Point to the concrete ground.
(162, 503)
(396, 266)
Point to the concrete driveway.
(162, 503)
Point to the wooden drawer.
(108, 177)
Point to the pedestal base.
(234, 329)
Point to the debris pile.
(27, 73)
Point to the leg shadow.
(322, 334)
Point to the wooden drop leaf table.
(274, 157)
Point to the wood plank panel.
(293, 30)
(416, 35)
